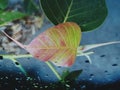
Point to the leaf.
(58, 44)
(64, 74)
(72, 75)
(3, 4)
(88, 14)
(8, 16)
(30, 6)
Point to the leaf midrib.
(68, 12)
(57, 48)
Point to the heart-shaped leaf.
(58, 44)
(88, 14)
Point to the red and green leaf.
(58, 44)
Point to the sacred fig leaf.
(88, 14)
(58, 44)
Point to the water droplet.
(90, 79)
(28, 58)
(102, 55)
(29, 78)
(16, 78)
(46, 75)
(83, 87)
(46, 86)
(87, 61)
(117, 58)
(16, 63)
(116, 34)
(36, 86)
(91, 75)
(16, 89)
(67, 85)
(41, 87)
(114, 64)
(105, 71)
(1, 57)
(59, 66)
(6, 77)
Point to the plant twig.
(12, 57)
(15, 61)
(54, 71)
(19, 66)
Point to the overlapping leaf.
(58, 44)
(88, 14)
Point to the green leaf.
(88, 14)
(72, 75)
(8, 16)
(3, 4)
(57, 44)
(30, 6)
(64, 74)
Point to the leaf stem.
(26, 56)
(19, 66)
(16, 56)
(54, 71)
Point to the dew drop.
(16, 89)
(29, 78)
(6, 77)
(87, 61)
(46, 75)
(102, 55)
(91, 75)
(114, 64)
(105, 71)
(1, 57)
(16, 63)
(16, 78)
(41, 87)
(59, 66)
(83, 87)
(36, 86)
(67, 85)
(46, 86)
(117, 58)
